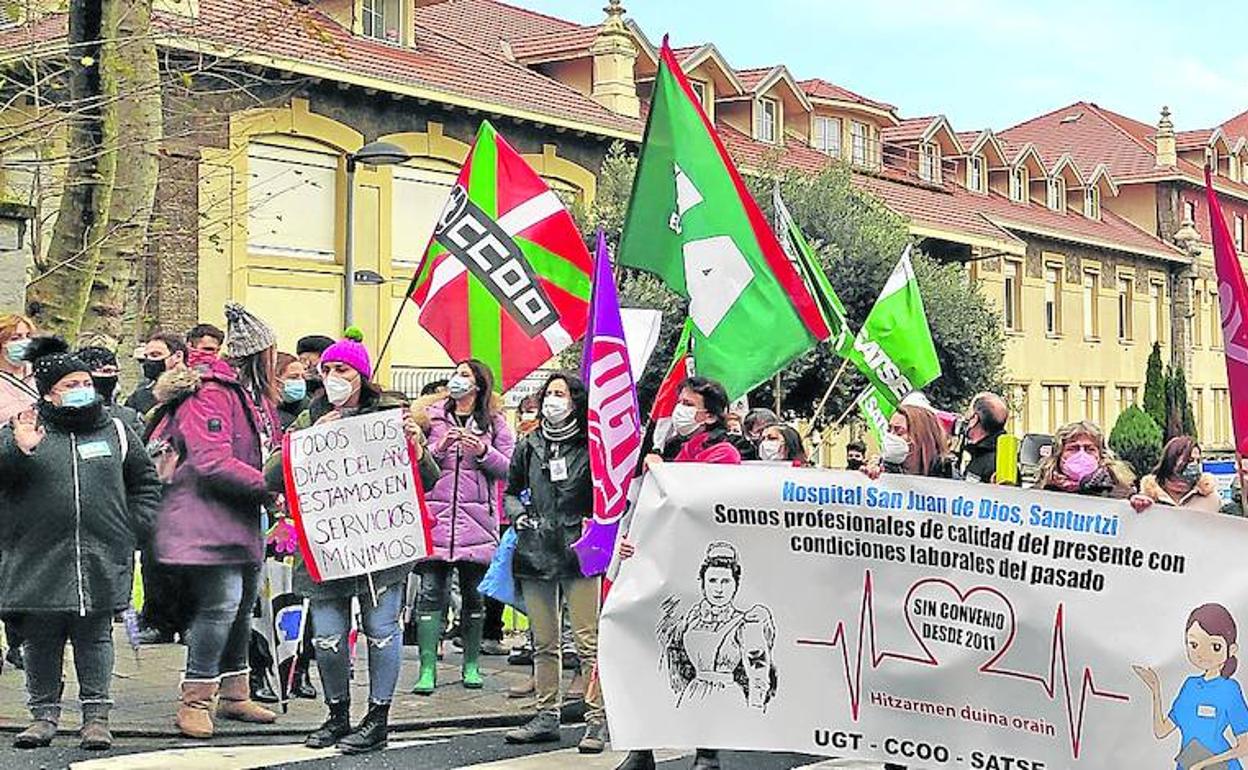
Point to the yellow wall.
(575, 73)
(302, 296)
(738, 115)
(1137, 203)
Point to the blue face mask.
(77, 398)
(294, 390)
(15, 350)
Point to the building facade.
(1083, 225)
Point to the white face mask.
(771, 450)
(338, 390)
(556, 408)
(895, 449)
(685, 419)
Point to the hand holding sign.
(355, 496)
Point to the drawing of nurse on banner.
(1210, 706)
(716, 651)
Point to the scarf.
(564, 431)
(1099, 482)
(71, 419)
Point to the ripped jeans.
(332, 621)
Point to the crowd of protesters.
(187, 472)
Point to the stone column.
(615, 55)
(15, 256)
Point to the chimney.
(1167, 156)
(615, 55)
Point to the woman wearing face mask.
(77, 492)
(1178, 480)
(915, 445)
(552, 463)
(782, 443)
(347, 371)
(1082, 464)
(292, 375)
(17, 384)
(218, 424)
(470, 441)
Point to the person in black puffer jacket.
(77, 492)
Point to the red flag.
(669, 391)
(1233, 298)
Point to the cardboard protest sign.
(354, 492)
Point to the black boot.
(336, 727)
(303, 682)
(371, 734)
(706, 759)
(637, 760)
(261, 692)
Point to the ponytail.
(1228, 668)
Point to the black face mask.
(152, 369)
(105, 385)
(854, 463)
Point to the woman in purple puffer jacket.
(472, 444)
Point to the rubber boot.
(236, 703)
(335, 728)
(194, 718)
(473, 626)
(428, 634)
(371, 734)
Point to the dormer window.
(828, 136)
(1092, 202)
(1018, 184)
(699, 90)
(1213, 160)
(860, 147)
(1057, 194)
(382, 20)
(768, 121)
(976, 179)
(929, 162)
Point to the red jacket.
(696, 450)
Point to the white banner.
(926, 622)
(353, 491)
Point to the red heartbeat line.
(866, 625)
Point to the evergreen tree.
(1137, 439)
(1180, 421)
(1155, 387)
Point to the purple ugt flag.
(614, 421)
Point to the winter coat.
(712, 446)
(463, 504)
(554, 515)
(343, 588)
(143, 399)
(211, 511)
(982, 465)
(1203, 495)
(289, 411)
(1105, 481)
(16, 396)
(71, 515)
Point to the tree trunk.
(128, 65)
(58, 297)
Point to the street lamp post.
(372, 154)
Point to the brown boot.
(235, 702)
(194, 717)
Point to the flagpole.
(834, 426)
(411, 287)
(814, 421)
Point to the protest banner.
(922, 621)
(354, 493)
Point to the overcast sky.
(980, 62)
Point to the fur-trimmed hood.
(181, 383)
(1205, 489)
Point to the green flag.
(894, 346)
(876, 411)
(807, 263)
(692, 222)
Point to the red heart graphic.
(962, 596)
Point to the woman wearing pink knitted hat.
(349, 391)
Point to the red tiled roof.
(752, 77)
(685, 52)
(546, 44)
(486, 23)
(952, 208)
(299, 37)
(908, 130)
(1192, 140)
(1236, 127)
(817, 88)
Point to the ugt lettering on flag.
(614, 421)
(505, 278)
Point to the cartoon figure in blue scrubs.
(1209, 712)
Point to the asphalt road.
(427, 750)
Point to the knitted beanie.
(313, 343)
(97, 357)
(51, 360)
(245, 334)
(350, 350)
